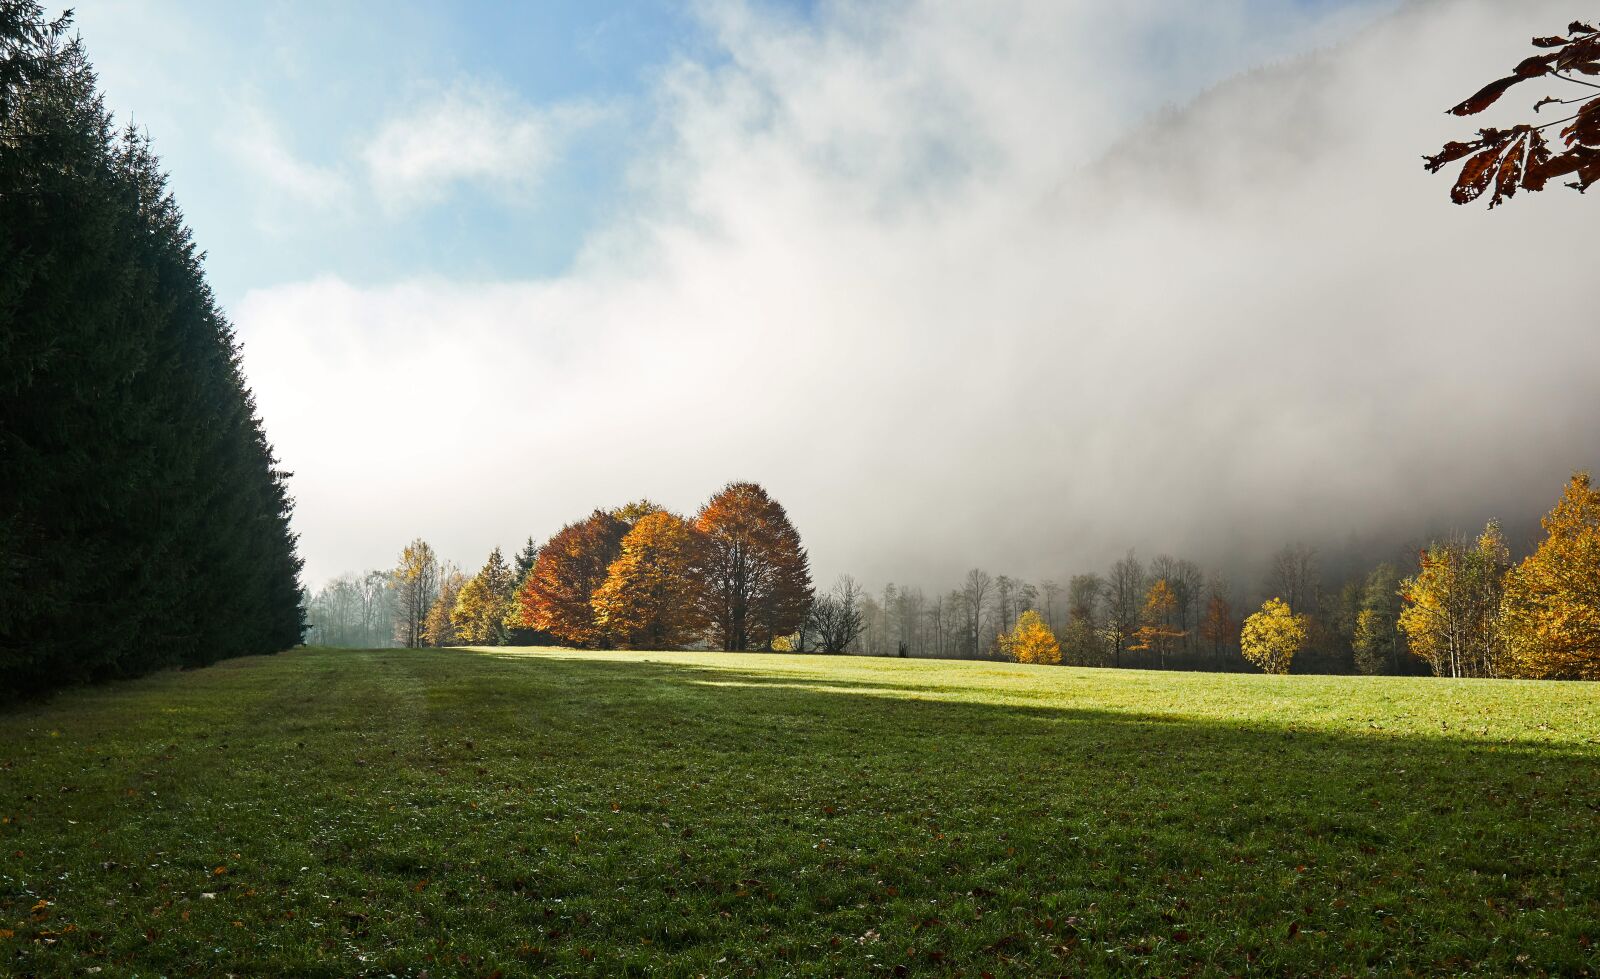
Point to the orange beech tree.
(756, 586)
(650, 596)
(557, 595)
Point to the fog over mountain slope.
(1347, 360)
(943, 282)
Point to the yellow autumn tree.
(481, 606)
(437, 628)
(1271, 637)
(1450, 611)
(1156, 633)
(1031, 641)
(1550, 612)
(648, 600)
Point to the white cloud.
(469, 134)
(259, 146)
(887, 266)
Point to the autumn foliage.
(1031, 641)
(650, 596)
(1218, 626)
(1156, 633)
(640, 577)
(1272, 636)
(1551, 606)
(1451, 606)
(557, 595)
(1522, 156)
(480, 608)
(757, 583)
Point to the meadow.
(519, 812)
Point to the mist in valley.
(971, 289)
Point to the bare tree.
(907, 618)
(377, 609)
(1083, 641)
(836, 618)
(1188, 588)
(1050, 591)
(1005, 592)
(1219, 626)
(1125, 589)
(1295, 578)
(974, 596)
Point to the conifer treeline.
(143, 521)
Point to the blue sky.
(207, 79)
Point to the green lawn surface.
(551, 812)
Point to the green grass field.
(528, 813)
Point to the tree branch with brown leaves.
(1522, 157)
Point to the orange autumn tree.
(1218, 626)
(1156, 631)
(649, 598)
(557, 595)
(1550, 613)
(756, 585)
(1031, 641)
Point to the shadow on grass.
(665, 807)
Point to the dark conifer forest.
(142, 504)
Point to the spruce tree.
(143, 520)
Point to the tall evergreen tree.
(143, 520)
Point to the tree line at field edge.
(735, 576)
